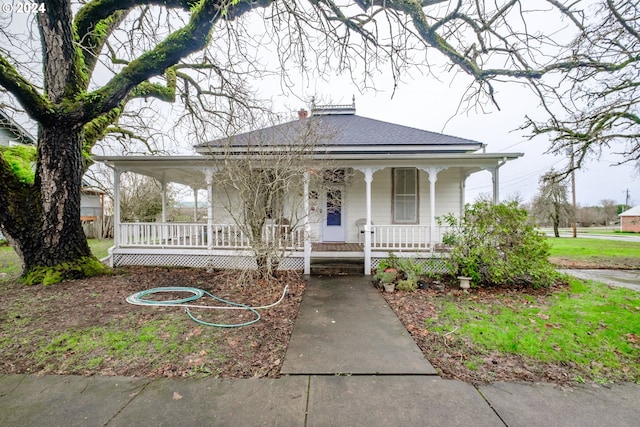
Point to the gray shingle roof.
(635, 211)
(348, 131)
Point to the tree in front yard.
(552, 202)
(84, 80)
(262, 186)
(496, 245)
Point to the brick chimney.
(303, 114)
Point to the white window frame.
(408, 196)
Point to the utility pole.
(573, 193)
(626, 203)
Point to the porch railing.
(229, 236)
(404, 237)
(196, 235)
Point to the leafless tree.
(552, 202)
(262, 182)
(596, 105)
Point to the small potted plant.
(388, 279)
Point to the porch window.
(405, 195)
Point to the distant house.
(395, 182)
(630, 220)
(11, 133)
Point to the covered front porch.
(365, 213)
(188, 244)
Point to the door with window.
(334, 219)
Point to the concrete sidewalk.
(27, 400)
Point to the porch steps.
(337, 267)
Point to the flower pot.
(389, 287)
(465, 282)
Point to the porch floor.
(359, 247)
(336, 247)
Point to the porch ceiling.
(186, 170)
(190, 170)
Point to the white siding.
(6, 137)
(447, 201)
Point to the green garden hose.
(139, 299)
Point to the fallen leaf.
(632, 338)
(176, 395)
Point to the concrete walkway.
(621, 278)
(344, 328)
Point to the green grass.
(156, 342)
(593, 326)
(100, 248)
(595, 253)
(10, 263)
(585, 248)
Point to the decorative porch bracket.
(432, 171)
(368, 172)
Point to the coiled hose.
(139, 299)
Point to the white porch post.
(116, 207)
(164, 198)
(208, 174)
(495, 178)
(368, 179)
(463, 188)
(307, 228)
(165, 228)
(432, 171)
(195, 204)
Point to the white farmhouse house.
(392, 183)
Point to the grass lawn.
(10, 264)
(585, 252)
(590, 328)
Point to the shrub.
(495, 245)
(408, 285)
(388, 277)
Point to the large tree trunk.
(59, 180)
(48, 236)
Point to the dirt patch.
(56, 329)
